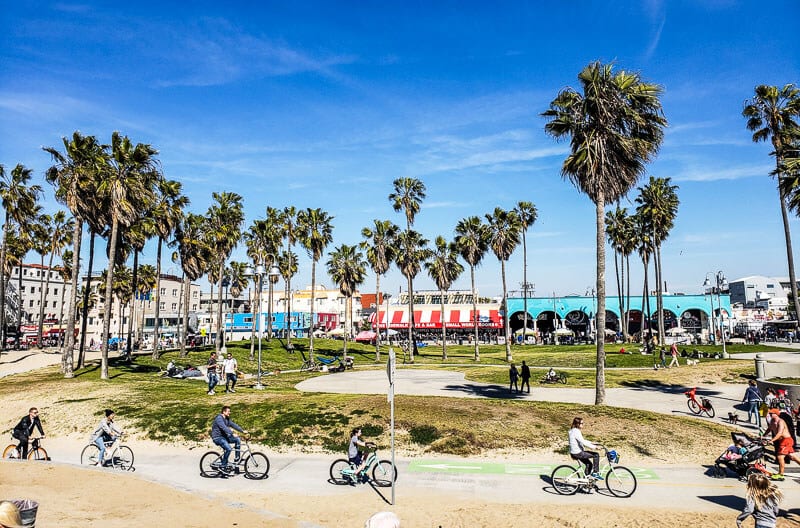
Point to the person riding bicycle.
(24, 429)
(356, 456)
(551, 375)
(223, 434)
(106, 431)
(577, 449)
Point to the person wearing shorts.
(783, 442)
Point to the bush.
(424, 434)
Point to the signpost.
(390, 372)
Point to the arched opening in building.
(612, 321)
(634, 322)
(670, 320)
(517, 321)
(691, 320)
(578, 322)
(546, 322)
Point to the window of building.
(174, 306)
(24, 272)
(194, 294)
(22, 289)
(248, 319)
(194, 307)
(163, 291)
(162, 305)
(174, 292)
(31, 303)
(55, 291)
(770, 285)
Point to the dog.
(733, 418)
(692, 361)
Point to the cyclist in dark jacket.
(24, 429)
(222, 433)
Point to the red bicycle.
(703, 405)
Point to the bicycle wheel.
(11, 452)
(565, 479)
(562, 378)
(210, 464)
(336, 471)
(709, 410)
(693, 406)
(38, 454)
(122, 458)
(256, 466)
(620, 481)
(384, 473)
(89, 455)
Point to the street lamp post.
(259, 273)
(721, 282)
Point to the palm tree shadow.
(485, 391)
(654, 385)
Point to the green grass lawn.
(280, 416)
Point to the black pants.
(230, 378)
(513, 385)
(525, 381)
(590, 459)
(23, 445)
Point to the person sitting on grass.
(577, 449)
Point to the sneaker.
(597, 476)
(211, 393)
(233, 390)
(216, 465)
(777, 476)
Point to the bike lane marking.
(495, 468)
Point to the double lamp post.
(720, 283)
(258, 273)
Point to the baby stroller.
(743, 457)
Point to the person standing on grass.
(513, 375)
(762, 502)
(525, 374)
(213, 379)
(673, 350)
(230, 367)
(752, 397)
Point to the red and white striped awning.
(427, 318)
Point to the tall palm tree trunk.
(220, 322)
(19, 309)
(187, 283)
(157, 322)
(789, 256)
(289, 314)
(509, 357)
(600, 317)
(524, 285)
(134, 288)
(46, 289)
(3, 284)
(256, 311)
(85, 308)
(69, 337)
(646, 306)
(626, 330)
(378, 318)
(412, 343)
(346, 322)
(474, 312)
(269, 310)
(444, 328)
(112, 257)
(660, 296)
(311, 323)
(40, 323)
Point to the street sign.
(390, 366)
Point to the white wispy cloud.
(704, 174)
(44, 106)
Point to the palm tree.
(225, 221)
(620, 231)
(74, 169)
(19, 201)
(315, 231)
(348, 270)
(411, 251)
(658, 200)
(287, 264)
(40, 235)
(527, 214)
(124, 187)
(195, 254)
(288, 224)
(505, 228)
(615, 127)
(645, 245)
(166, 211)
(59, 233)
(19, 242)
(772, 114)
(380, 251)
(444, 268)
(407, 197)
(137, 235)
(472, 239)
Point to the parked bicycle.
(35, 451)
(380, 472)
(118, 455)
(254, 463)
(619, 480)
(559, 377)
(703, 405)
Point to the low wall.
(768, 370)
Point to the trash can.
(27, 511)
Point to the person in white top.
(229, 367)
(577, 449)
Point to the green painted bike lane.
(496, 468)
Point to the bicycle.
(559, 378)
(380, 472)
(118, 455)
(255, 463)
(619, 480)
(697, 407)
(308, 365)
(35, 451)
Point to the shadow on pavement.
(486, 391)
(733, 502)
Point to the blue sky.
(325, 104)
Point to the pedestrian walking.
(211, 367)
(674, 353)
(513, 374)
(752, 396)
(662, 355)
(525, 373)
(230, 366)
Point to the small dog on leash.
(692, 361)
(733, 418)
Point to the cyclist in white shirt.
(230, 366)
(577, 449)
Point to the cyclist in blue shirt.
(222, 433)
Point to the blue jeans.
(753, 409)
(212, 381)
(100, 443)
(226, 448)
